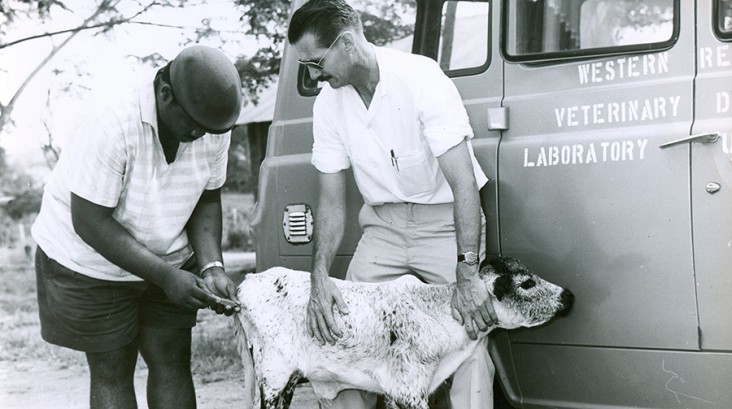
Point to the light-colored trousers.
(407, 238)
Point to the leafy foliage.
(25, 190)
(259, 71)
(239, 177)
(3, 162)
(103, 18)
(264, 20)
(383, 23)
(12, 9)
(26, 202)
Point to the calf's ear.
(502, 265)
(486, 262)
(502, 286)
(488, 266)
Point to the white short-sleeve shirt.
(115, 159)
(415, 116)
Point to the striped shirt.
(115, 160)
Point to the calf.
(400, 338)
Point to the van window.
(464, 27)
(386, 24)
(464, 40)
(559, 29)
(723, 19)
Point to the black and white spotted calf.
(400, 337)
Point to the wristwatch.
(469, 257)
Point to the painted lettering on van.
(585, 153)
(715, 57)
(618, 112)
(723, 102)
(621, 68)
(726, 144)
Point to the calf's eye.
(528, 284)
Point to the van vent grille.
(298, 223)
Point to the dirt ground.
(35, 385)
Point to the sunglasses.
(319, 64)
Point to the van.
(605, 127)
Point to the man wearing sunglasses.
(398, 121)
(129, 233)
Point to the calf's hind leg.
(275, 396)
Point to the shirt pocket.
(416, 171)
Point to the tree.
(382, 20)
(239, 172)
(267, 19)
(25, 191)
(264, 20)
(27, 198)
(3, 162)
(104, 17)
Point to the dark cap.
(207, 86)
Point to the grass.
(20, 338)
(214, 353)
(214, 350)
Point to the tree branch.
(106, 5)
(8, 108)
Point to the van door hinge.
(498, 119)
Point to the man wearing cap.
(129, 233)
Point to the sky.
(103, 58)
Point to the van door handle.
(703, 138)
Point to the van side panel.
(287, 177)
(582, 193)
(622, 378)
(588, 198)
(483, 93)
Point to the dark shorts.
(91, 315)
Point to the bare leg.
(112, 378)
(167, 353)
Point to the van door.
(588, 199)
(585, 190)
(711, 174)
(466, 52)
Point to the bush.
(8, 229)
(237, 239)
(236, 208)
(27, 201)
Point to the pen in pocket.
(394, 160)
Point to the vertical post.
(448, 35)
(21, 234)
